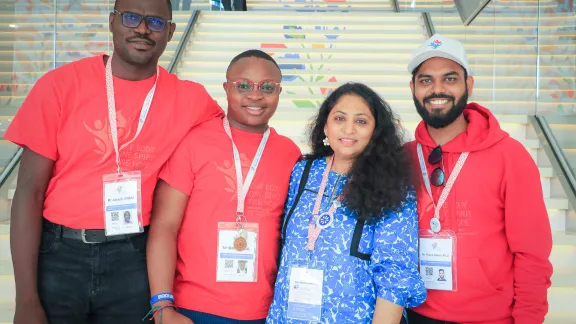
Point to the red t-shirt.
(203, 167)
(65, 119)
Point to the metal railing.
(183, 41)
(555, 154)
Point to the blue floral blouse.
(363, 260)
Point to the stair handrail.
(556, 156)
(183, 41)
(428, 24)
(11, 166)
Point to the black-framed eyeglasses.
(437, 177)
(266, 87)
(132, 20)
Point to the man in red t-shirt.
(95, 134)
(215, 232)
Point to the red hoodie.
(496, 208)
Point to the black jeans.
(415, 318)
(103, 283)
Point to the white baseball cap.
(439, 46)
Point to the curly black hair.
(380, 175)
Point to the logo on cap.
(435, 44)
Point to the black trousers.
(104, 283)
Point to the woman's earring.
(325, 141)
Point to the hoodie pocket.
(473, 278)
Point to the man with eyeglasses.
(95, 134)
(218, 205)
(482, 216)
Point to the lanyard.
(242, 187)
(320, 222)
(112, 110)
(447, 188)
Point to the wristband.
(161, 297)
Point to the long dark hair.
(380, 175)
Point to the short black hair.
(168, 2)
(416, 69)
(253, 53)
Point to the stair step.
(221, 62)
(390, 93)
(560, 317)
(294, 16)
(561, 300)
(310, 28)
(6, 310)
(295, 57)
(290, 103)
(318, 7)
(564, 277)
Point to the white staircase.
(319, 5)
(317, 51)
(6, 277)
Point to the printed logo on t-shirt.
(229, 172)
(261, 197)
(132, 157)
(100, 129)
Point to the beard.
(439, 119)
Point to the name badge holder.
(306, 286)
(305, 294)
(122, 191)
(437, 247)
(237, 252)
(122, 203)
(238, 242)
(437, 259)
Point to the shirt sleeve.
(209, 108)
(395, 256)
(529, 237)
(36, 123)
(178, 171)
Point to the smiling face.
(140, 45)
(349, 127)
(440, 91)
(251, 110)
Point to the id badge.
(237, 259)
(437, 259)
(122, 203)
(306, 292)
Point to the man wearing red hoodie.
(482, 216)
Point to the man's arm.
(26, 223)
(529, 237)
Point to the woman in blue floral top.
(350, 231)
